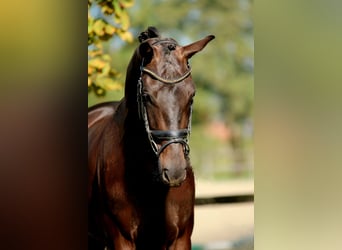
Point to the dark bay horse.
(141, 184)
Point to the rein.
(170, 136)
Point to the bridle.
(170, 136)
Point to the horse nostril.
(165, 176)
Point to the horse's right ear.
(145, 50)
(195, 47)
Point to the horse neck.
(136, 148)
(132, 76)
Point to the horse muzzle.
(172, 157)
(173, 179)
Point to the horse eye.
(191, 101)
(147, 98)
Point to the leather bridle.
(170, 136)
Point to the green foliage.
(112, 20)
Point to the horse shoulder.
(100, 118)
(101, 111)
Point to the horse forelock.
(149, 33)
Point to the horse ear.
(193, 48)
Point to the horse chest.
(142, 220)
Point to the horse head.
(165, 92)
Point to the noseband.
(157, 136)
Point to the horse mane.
(133, 69)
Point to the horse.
(141, 187)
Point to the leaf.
(99, 26)
(108, 83)
(90, 70)
(115, 74)
(115, 85)
(99, 91)
(124, 19)
(97, 63)
(89, 3)
(109, 29)
(106, 69)
(90, 29)
(106, 57)
(125, 36)
(117, 8)
(107, 9)
(94, 53)
(127, 3)
(98, 45)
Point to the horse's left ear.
(193, 48)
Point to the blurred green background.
(222, 127)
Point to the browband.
(159, 78)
